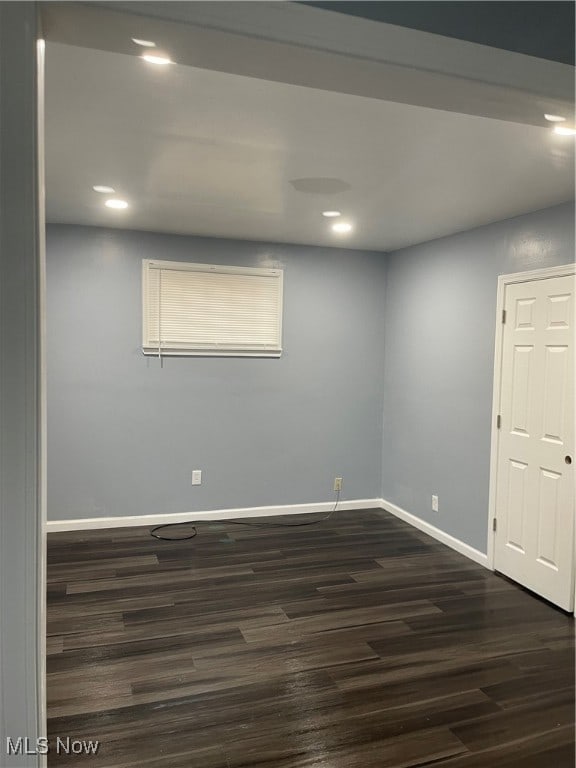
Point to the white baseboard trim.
(436, 533)
(94, 523)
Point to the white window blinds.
(205, 309)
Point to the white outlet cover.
(196, 477)
(434, 503)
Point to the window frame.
(208, 349)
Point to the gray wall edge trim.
(21, 705)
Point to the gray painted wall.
(125, 434)
(440, 320)
(20, 524)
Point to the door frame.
(42, 405)
(564, 270)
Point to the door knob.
(568, 459)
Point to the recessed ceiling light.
(103, 190)
(341, 227)
(114, 202)
(555, 118)
(144, 43)
(562, 130)
(331, 214)
(160, 61)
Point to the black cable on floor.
(194, 523)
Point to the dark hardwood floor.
(357, 643)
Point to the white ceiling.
(202, 152)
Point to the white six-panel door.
(534, 538)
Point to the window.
(206, 309)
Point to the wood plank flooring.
(356, 643)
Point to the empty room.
(287, 385)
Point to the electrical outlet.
(337, 483)
(434, 503)
(196, 477)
